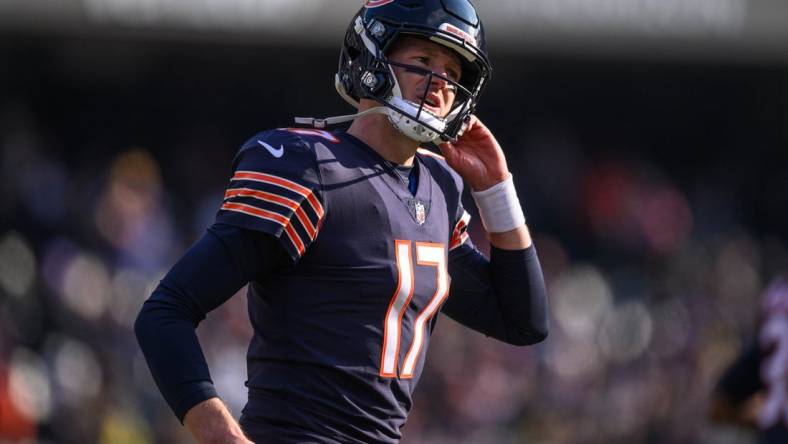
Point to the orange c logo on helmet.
(376, 3)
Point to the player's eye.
(453, 74)
(423, 60)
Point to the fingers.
(477, 127)
(474, 130)
(473, 123)
(448, 150)
(467, 125)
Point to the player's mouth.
(433, 105)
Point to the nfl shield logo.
(421, 213)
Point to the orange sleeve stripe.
(460, 235)
(256, 212)
(310, 229)
(315, 205)
(268, 197)
(464, 220)
(261, 195)
(284, 183)
(274, 180)
(295, 239)
(456, 241)
(462, 224)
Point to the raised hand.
(477, 156)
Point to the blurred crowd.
(653, 277)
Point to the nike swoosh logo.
(274, 152)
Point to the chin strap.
(402, 122)
(322, 123)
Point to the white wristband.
(499, 207)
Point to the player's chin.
(434, 110)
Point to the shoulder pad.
(275, 188)
(280, 141)
(274, 138)
(282, 153)
(274, 149)
(312, 134)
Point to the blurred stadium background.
(648, 140)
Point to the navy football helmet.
(365, 72)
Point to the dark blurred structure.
(651, 161)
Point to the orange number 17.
(427, 254)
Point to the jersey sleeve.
(503, 297)
(459, 235)
(275, 189)
(462, 219)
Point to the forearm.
(517, 239)
(165, 330)
(503, 297)
(210, 422)
(519, 288)
(214, 269)
(516, 275)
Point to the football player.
(352, 242)
(753, 391)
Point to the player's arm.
(271, 212)
(211, 422)
(214, 269)
(503, 297)
(479, 160)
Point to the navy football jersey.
(340, 335)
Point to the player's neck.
(377, 132)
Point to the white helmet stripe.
(371, 47)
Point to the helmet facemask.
(420, 123)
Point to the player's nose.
(438, 79)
